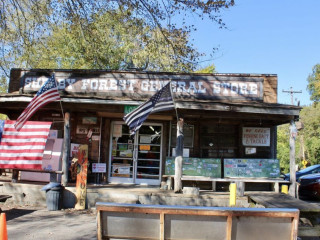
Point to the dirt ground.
(26, 222)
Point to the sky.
(267, 37)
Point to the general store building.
(230, 121)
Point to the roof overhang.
(232, 109)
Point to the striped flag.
(23, 149)
(47, 93)
(161, 101)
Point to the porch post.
(178, 159)
(66, 150)
(293, 134)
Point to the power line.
(291, 93)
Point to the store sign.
(252, 136)
(128, 109)
(144, 86)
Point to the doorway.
(135, 159)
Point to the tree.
(310, 116)
(25, 23)
(3, 84)
(314, 83)
(208, 69)
(128, 40)
(283, 148)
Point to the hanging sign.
(252, 136)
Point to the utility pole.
(291, 93)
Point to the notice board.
(206, 167)
(251, 168)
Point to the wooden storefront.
(230, 117)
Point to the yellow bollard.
(284, 189)
(233, 192)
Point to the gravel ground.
(25, 222)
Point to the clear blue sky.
(267, 37)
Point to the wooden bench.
(239, 181)
(53, 174)
(138, 221)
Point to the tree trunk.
(178, 159)
(293, 134)
(66, 150)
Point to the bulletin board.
(206, 167)
(251, 168)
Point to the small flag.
(47, 93)
(23, 149)
(161, 101)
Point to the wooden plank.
(276, 200)
(161, 226)
(260, 180)
(66, 149)
(99, 225)
(121, 115)
(229, 227)
(309, 231)
(294, 227)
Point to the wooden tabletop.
(281, 200)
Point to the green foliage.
(3, 117)
(283, 147)
(310, 116)
(3, 84)
(314, 83)
(102, 34)
(208, 69)
(119, 42)
(307, 142)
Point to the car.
(306, 171)
(309, 186)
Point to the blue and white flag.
(161, 101)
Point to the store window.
(218, 140)
(188, 139)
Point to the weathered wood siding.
(270, 87)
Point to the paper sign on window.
(252, 136)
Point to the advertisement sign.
(99, 167)
(254, 136)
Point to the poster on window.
(99, 167)
(121, 170)
(117, 130)
(254, 136)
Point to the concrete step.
(31, 194)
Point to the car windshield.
(309, 169)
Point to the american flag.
(161, 101)
(47, 93)
(23, 149)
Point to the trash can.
(54, 193)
